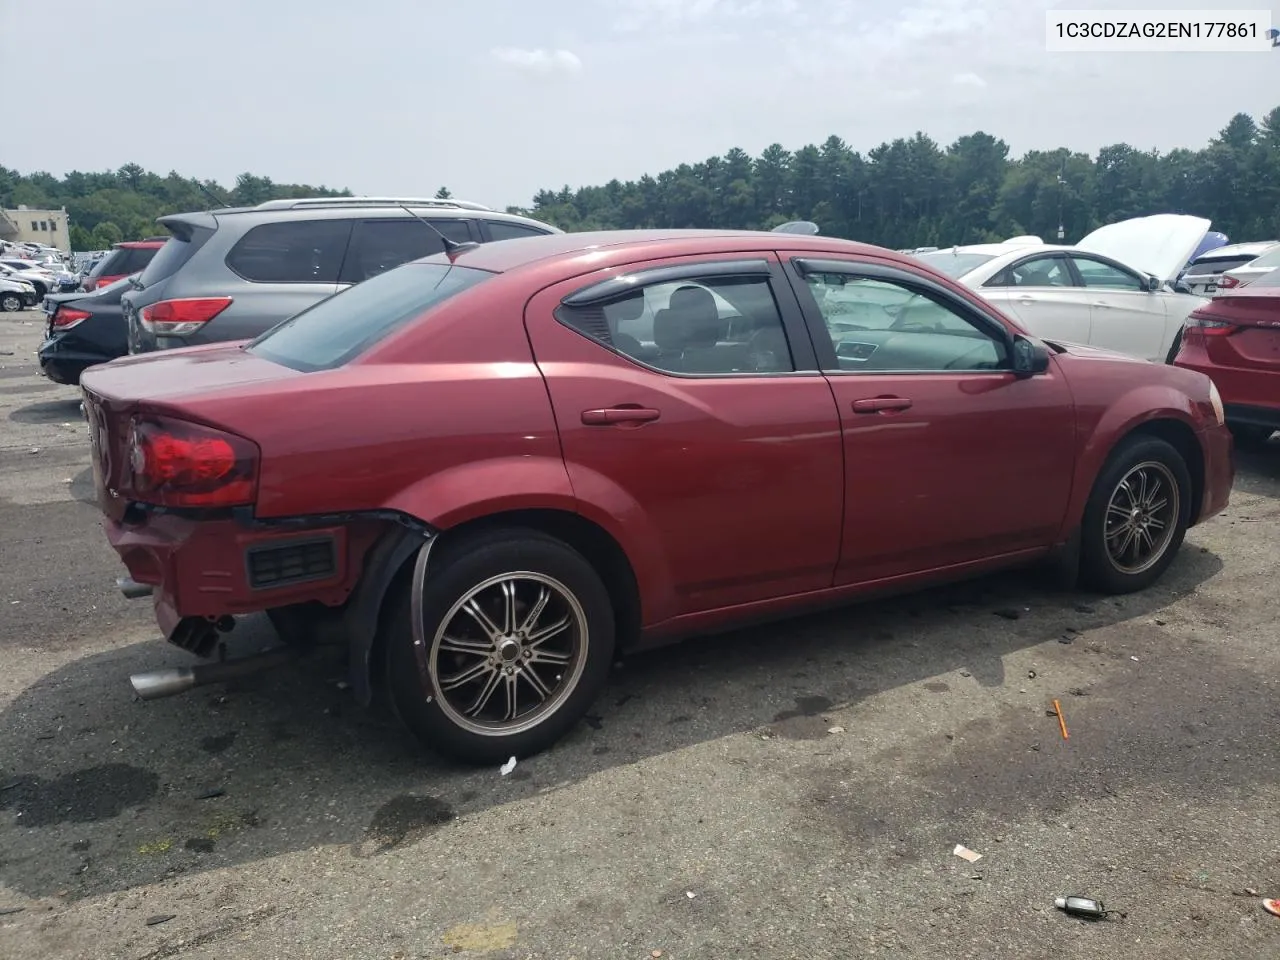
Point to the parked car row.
(233, 273)
(492, 468)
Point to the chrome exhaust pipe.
(132, 589)
(156, 684)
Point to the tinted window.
(1094, 273)
(954, 264)
(340, 328)
(716, 325)
(501, 230)
(1269, 259)
(879, 325)
(1271, 279)
(293, 251)
(169, 259)
(1040, 272)
(379, 245)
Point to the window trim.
(794, 325)
(799, 266)
(1072, 255)
(346, 246)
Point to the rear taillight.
(173, 463)
(1226, 283)
(1209, 328)
(181, 318)
(65, 318)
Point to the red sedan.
(492, 469)
(1235, 339)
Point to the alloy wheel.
(508, 653)
(1141, 517)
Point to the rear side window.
(293, 251)
(501, 230)
(379, 245)
(1271, 279)
(340, 328)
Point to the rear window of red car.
(338, 329)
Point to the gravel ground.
(788, 791)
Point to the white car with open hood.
(1111, 290)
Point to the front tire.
(11, 302)
(517, 640)
(1136, 516)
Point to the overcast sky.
(498, 98)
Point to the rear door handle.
(881, 404)
(610, 415)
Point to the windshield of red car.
(337, 330)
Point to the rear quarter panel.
(447, 420)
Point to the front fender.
(1101, 431)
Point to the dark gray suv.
(231, 274)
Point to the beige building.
(25, 225)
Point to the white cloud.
(968, 80)
(637, 14)
(539, 60)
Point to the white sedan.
(1111, 290)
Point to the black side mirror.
(1029, 357)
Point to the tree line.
(906, 193)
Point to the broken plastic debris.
(507, 767)
(1081, 907)
(1134, 659)
(836, 729)
(160, 918)
(1272, 906)
(965, 853)
(690, 894)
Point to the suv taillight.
(181, 318)
(173, 463)
(64, 318)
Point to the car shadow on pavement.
(100, 792)
(49, 411)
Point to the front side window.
(1038, 272)
(293, 251)
(1095, 273)
(692, 327)
(883, 325)
(339, 328)
(379, 245)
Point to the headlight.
(1215, 399)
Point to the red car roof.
(616, 246)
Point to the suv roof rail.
(293, 204)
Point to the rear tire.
(1136, 517)
(11, 302)
(533, 655)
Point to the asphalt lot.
(783, 792)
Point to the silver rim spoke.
(508, 653)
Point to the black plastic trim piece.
(276, 546)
